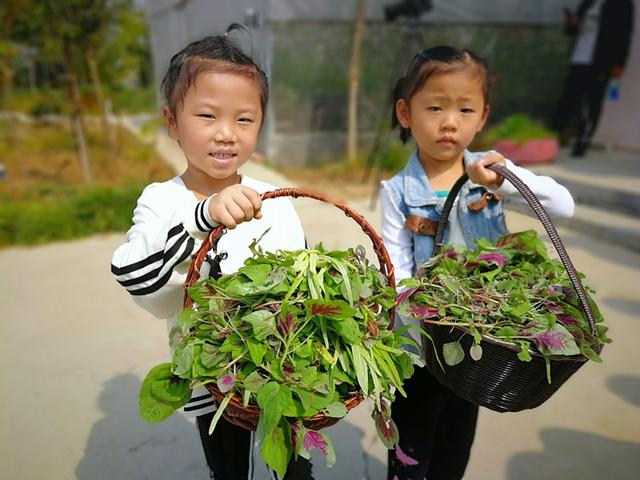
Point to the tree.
(354, 82)
(10, 13)
(62, 29)
(96, 26)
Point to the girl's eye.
(207, 116)
(245, 120)
(466, 110)
(433, 108)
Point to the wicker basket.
(235, 412)
(499, 380)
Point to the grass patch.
(45, 101)
(81, 214)
(43, 197)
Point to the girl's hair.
(211, 54)
(429, 62)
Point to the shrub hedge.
(79, 214)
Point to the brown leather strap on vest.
(483, 201)
(421, 225)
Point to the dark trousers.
(228, 450)
(436, 429)
(581, 102)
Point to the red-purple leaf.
(555, 341)
(387, 430)
(326, 310)
(226, 383)
(493, 257)
(402, 296)
(286, 326)
(568, 320)
(422, 311)
(313, 439)
(404, 458)
(552, 307)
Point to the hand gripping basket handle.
(211, 242)
(537, 207)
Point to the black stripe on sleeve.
(137, 265)
(175, 230)
(201, 397)
(197, 215)
(165, 278)
(146, 261)
(198, 407)
(204, 216)
(165, 258)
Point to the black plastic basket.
(499, 380)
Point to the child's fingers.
(491, 159)
(246, 206)
(225, 218)
(237, 212)
(255, 199)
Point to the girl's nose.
(449, 122)
(224, 133)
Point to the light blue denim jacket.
(413, 195)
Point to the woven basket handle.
(211, 242)
(537, 207)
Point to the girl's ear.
(403, 113)
(170, 120)
(485, 115)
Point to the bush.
(519, 128)
(81, 214)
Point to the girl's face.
(444, 115)
(217, 126)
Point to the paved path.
(74, 349)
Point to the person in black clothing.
(603, 36)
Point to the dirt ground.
(41, 159)
(335, 181)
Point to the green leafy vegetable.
(510, 290)
(297, 334)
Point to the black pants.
(227, 452)
(436, 429)
(581, 101)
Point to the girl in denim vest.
(442, 102)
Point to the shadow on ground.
(623, 305)
(585, 456)
(123, 446)
(352, 461)
(626, 387)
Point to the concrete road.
(74, 349)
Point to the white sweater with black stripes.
(169, 225)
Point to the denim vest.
(413, 195)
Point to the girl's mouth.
(222, 156)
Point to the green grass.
(77, 214)
(54, 101)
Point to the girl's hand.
(234, 205)
(480, 174)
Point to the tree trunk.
(354, 80)
(7, 83)
(76, 114)
(97, 90)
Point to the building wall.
(448, 11)
(175, 23)
(310, 65)
(304, 47)
(620, 123)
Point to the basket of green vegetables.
(289, 343)
(508, 324)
